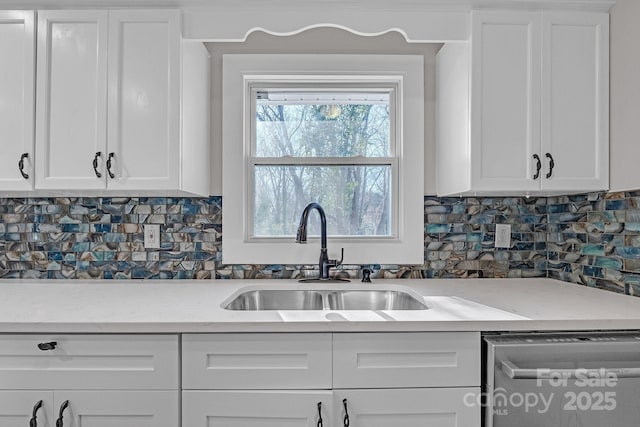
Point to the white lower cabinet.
(433, 407)
(89, 381)
(46, 408)
(258, 408)
(354, 379)
(19, 407)
(419, 407)
(116, 408)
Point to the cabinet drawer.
(390, 360)
(256, 361)
(98, 362)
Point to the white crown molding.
(419, 21)
(413, 5)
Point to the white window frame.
(241, 73)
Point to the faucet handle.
(341, 257)
(335, 262)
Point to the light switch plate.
(152, 236)
(503, 236)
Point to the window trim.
(407, 246)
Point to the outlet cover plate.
(503, 236)
(152, 236)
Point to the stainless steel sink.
(325, 299)
(270, 299)
(373, 300)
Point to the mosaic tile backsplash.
(103, 238)
(592, 239)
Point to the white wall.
(625, 96)
(324, 40)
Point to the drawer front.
(390, 360)
(89, 362)
(256, 361)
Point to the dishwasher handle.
(517, 373)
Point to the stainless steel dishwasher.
(562, 380)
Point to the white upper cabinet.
(144, 99)
(17, 50)
(575, 101)
(109, 103)
(72, 94)
(505, 96)
(533, 88)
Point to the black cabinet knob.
(45, 346)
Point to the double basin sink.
(325, 299)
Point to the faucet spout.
(301, 237)
(324, 263)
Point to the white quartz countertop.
(196, 306)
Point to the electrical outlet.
(503, 236)
(152, 236)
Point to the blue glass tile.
(54, 256)
(437, 228)
(616, 205)
(628, 252)
(592, 250)
(607, 262)
(592, 271)
(101, 228)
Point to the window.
(297, 131)
(330, 145)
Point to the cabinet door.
(72, 88)
(433, 407)
(575, 101)
(144, 103)
(118, 408)
(505, 102)
(17, 408)
(256, 408)
(17, 38)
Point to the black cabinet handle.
(45, 346)
(95, 164)
(21, 165)
(33, 422)
(59, 421)
(111, 175)
(538, 166)
(552, 164)
(345, 420)
(319, 414)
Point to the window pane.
(322, 124)
(356, 199)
